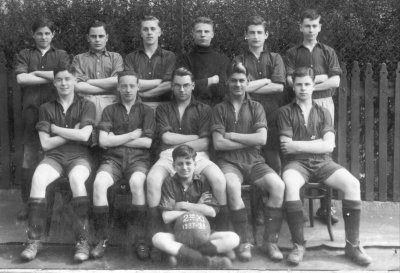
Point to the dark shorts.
(123, 168)
(63, 164)
(248, 173)
(317, 170)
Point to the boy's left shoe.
(142, 250)
(357, 254)
(82, 250)
(272, 251)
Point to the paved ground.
(380, 236)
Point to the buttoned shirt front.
(80, 111)
(322, 59)
(250, 118)
(291, 123)
(195, 120)
(159, 66)
(117, 120)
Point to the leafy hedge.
(363, 30)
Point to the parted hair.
(150, 18)
(43, 22)
(256, 20)
(202, 20)
(97, 23)
(184, 151)
(303, 72)
(128, 73)
(237, 67)
(68, 67)
(311, 14)
(181, 72)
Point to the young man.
(239, 128)
(97, 69)
(65, 124)
(34, 69)
(207, 65)
(183, 192)
(267, 79)
(184, 120)
(153, 64)
(307, 139)
(126, 132)
(324, 61)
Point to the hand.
(267, 81)
(77, 125)
(181, 205)
(288, 146)
(53, 129)
(136, 133)
(228, 136)
(321, 78)
(206, 198)
(213, 80)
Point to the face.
(303, 88)
(310, 28)
(64, 83)
(182, 88)
(150, 31)
(256, 36)
(184, 167)
(237, 84)
(203, 34)
(128, 88)
(97, 39)
(43, 37)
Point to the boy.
(97, 69)
(307, 139)
(325, 63)
(34, 69)
(184, 120)
(65, 124)
(239, 128)
(186, 191)
(207, 65)
(153, 64)
(126, 131)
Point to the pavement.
(380, 236)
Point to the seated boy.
(307, 139)
(186, 191)
(65, 124)
(126, 130)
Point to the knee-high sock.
(101, 222)
(136, 219)
(154, 222)
(80, 206)
(351, 214)
(222, 219)
(294, 213)
(239, 222)
(37, 217)
(273, 221)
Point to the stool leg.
(328, 214)
(311, 211)
(253, 206)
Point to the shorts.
(328, 104)
(124, 168)
(166, 161)
(314, 169)
(249, 173)
(101, 102)
(63, 164)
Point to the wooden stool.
(313, 191)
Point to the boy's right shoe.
(82, 250)
(272, 251)
(243, 252)
(99, 250)
(217, 262)
(357, 254)
(31, 250)
(296, 255)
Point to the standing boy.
(64, 126)
(239, 129)
(183, 192)
(34, 68)
(97, 69)
(153, 64)
(307, 139)
(207, 65)
(125, 131)
(325, 63)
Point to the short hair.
(185, 151)
(127, 73)
(203, 20)
(43, 22)
(311, 14)
(303, 72)
(181, 72)
(256, 20)
(237, 67)
(149, 18)
(97, 23)
(67, 67)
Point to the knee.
(99, 189)
(234, 239)
(158, 239)
(353, 186)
